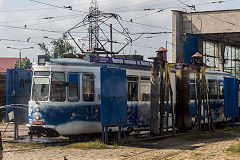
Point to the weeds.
(235, 129)
(194, 137)
(29, 145)
(235, 148)
(80, 145)
(97, 144)
(3, 121)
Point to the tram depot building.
(215, 34)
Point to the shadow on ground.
(187, 142)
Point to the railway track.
(132, 138)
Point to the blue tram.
(65, 95)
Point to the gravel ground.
(177, 148)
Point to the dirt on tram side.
(222, 144)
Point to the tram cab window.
(73, 88)
(192, 90)
(41, 73)
(212, 89)
(132, 88)
(88, 87)
(58, 87)
(40, 89)
(145, 89)
(220, 90)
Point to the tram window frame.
(145, 96)
(211, 95)
(130, 81)
(44, 86)
(59, 90)
(41, 73)
(220, 89)
(88, 97)
(76, 86)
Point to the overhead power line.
(44, 18)
(151, 33)
(130, 21)
(35, 29)
(16, 40)
(32, 29)
(162, 9)
(79, 4)
(133, 5)
(56, 6)
(26, 10)
(50, 8)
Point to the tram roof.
(111, 62)
(102, 61)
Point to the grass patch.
(235, 149)
(80, 145)
(4, 121)
(29, 145)
(97, 144)
(194, 137)
(235, 129)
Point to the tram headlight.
(37, 109)
(42, 59)
(37, 116)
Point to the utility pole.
(162, 55)
(20, 53)
(111, 40)
(197, 61)
(93, 30)
(154, 121)
(158, 62)
(95, 19)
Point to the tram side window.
(192, 90)
(40, 89)
(58, 87)
(212, 89)
(73, 88)
(132, 88)
(145, 88)
(88, 87)
(220, 89)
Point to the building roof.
(197, 55)
(208, 11)
(6, 62)
(161, 49)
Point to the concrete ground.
(195, 146)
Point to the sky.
(47, 18)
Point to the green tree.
(59, 46)
(25, 63)
(44, 48)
